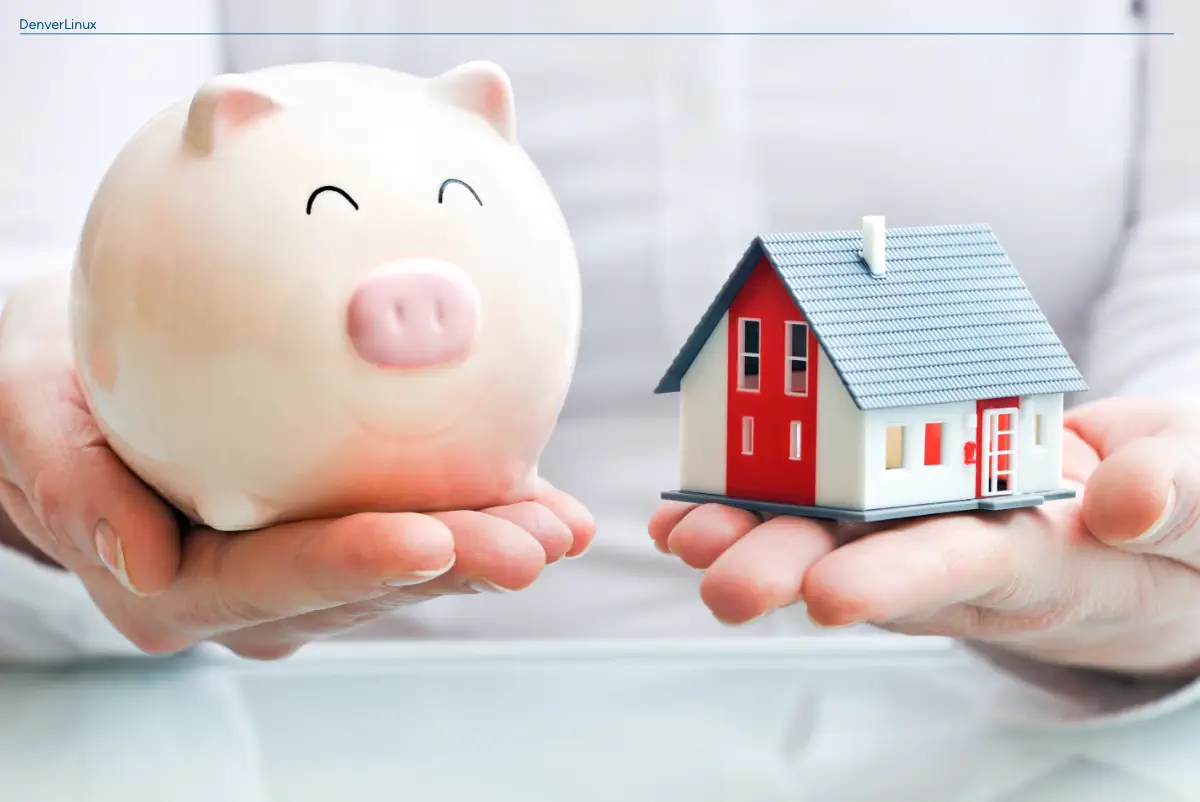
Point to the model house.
(872, 374)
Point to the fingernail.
(580, 554)
(417, 577)
(1157, 529)
(484, 586)
(110, 552)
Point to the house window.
(1038, 430)
(747, 435)
(933, 443)
(795, 447)
(999, 434)
(895, 448)
(796, 381)
(748, 354)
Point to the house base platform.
(991, 503)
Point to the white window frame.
(990, 458)
(743, 353)
(796, 445)
(748, 435)
(787, 364)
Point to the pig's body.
(261, 351)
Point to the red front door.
(996, 446)
(772, 411)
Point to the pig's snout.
(412, 314)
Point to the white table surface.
(847, 719)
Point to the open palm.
(1109, 579)
(263, 593)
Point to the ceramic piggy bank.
(321, 289)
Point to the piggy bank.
(321, 289)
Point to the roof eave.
(672, 380)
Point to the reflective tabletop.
(850, 718)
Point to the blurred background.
(668, 154)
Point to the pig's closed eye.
(319, 190)
(449, 181)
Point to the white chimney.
(873, 238)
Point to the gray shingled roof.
(950, 320)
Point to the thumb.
(88, 508)
(1144, 498)
(1109, 424)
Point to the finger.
(231, 581)
(1013, 559)
(544, 526)
(90, 508)
(22, 530)
(764, 570)
(665, 518)
(1104, 590)
(1079, 459)
(1146, 498)
(572, 513)
(969, 621)
(707, 531)
(1109, 424)
(492, 555)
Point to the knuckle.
(1013, 594)
(220, 610)
(48, 498)
(1043, 619)
(349, 617)
(243, 611)
(983, 622)
(1047, 621)
(45, 493)
(219, 604)
(1152, 592)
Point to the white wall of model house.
(841, 442)
(915, 482)
(704, 409)
(852, 470)
(1038, 460)
(1040, 434)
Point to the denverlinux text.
(58, 25)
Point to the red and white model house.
(872, 374)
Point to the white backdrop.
(668, 154)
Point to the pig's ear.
(482, 88)
(224, 104)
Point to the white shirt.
(668, 155)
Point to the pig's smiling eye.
(460, 182)
(319, 190)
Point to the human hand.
(1107, 580)
(263, 594)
